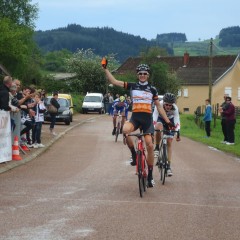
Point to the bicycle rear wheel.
(141, 181)
(117, 132)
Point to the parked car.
(65, 112)
(93, 102)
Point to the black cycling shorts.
(143, 121)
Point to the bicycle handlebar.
(165, 131)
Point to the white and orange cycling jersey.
(142, 96)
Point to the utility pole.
(210, 71)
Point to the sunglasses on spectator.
(168, 105)
(143, 73)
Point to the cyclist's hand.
(104, 62)
(170, 126)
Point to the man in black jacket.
(4, 93)
(55, 103)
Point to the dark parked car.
(64, 112)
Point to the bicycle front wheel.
(117, 132)
(140, 173)
(164, 164)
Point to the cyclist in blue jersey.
(119, 104)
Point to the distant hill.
(107, 40)
(103, 40)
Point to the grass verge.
(190, 129)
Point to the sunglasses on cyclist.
(168, 105)
(143, 73)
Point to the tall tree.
(163, 80)
(17, 49)
(20, 12)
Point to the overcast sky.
(198, 19)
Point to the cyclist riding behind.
(142, 94)
(121, 105)
(171, 109)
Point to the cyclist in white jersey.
(172, 112)
(143, 94)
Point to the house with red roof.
(195, 74)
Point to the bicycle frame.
(162, 161)
(141, 163)
(118, 125)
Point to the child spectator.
(39, 109)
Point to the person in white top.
(39, 109)
(171, 109)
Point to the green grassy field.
(201, 48)
(190, 129)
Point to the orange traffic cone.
(24, 147)
(15, 150)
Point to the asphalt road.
(82, 187)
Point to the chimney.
(185, 59)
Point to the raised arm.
(112, 79)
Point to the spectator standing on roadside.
(230, 117)
(222, 108)
(208, 117)
(28, 114)
(106, 102)
(39, 109)
(111, 100)
(22, 98)
(13, 103)
(55, 103)
(43, 95)
(4, 93)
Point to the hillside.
(106, 40)
(102, 40)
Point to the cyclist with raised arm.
(143, 94)
(119, 104)
(169, 105)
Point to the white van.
(93, 102)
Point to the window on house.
(185, 92)
(228, 90)
(179, 93)
(185, 109)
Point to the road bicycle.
(118, 125)
(141, 162)
(162, 160)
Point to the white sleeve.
(176, 118)
(155, 114)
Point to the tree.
(20, 12)
(153, 52)
(17, 49)
(87, 66)
(55, 61)
(163, 80)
